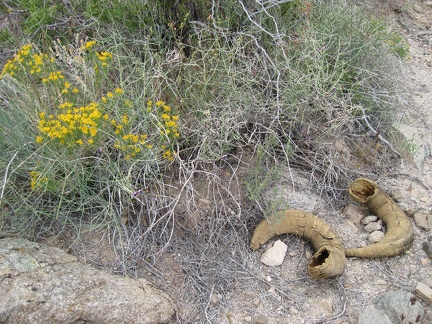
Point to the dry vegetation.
(273, 98)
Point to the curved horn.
(328, 261)
(399, 235)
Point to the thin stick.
(5, 177)
(382, 139)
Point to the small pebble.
(425, 261)
(261, 319)
(397, 195)
(368, 219)
(375, 236)
(417, 8)
(372, 227)
(293, 310)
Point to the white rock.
(368, 219)
(424, 292)
(424, 198)
(214, 298)
(375, 236)
(372, 227)
(293, 310)
(275, 255)
(425, 261)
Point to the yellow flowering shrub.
(68, 119)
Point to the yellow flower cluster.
(37, 180)
(66, 87)
(103, 57)
(170, 121)
(12, 65)
(53, 76)
(131, 144)
(167, 125)
(88, 45)
(25, 60)
(38, 62)
(73, 126)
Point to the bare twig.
(381, 138)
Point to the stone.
(409, 211)
(353, 213)
(43, 284)
(293, 310)
(417, 8)
(397, 195)
(425, 261)
(373, 315)
(423, 21)
(423, 219)
(214, 298)
(372, 227)
(275, 255)
(380, 283)
(375, 236)
(261, 319)
(400, 307)
(424, 292)
(369, 219)
(427, 246)
(415, 193)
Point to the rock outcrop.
(43, 284)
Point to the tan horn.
(399, 236)
(329, 259)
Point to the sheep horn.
(399, 236)
(328, 261)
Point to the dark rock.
(427, 246)
(401, 307)
(396, 307)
